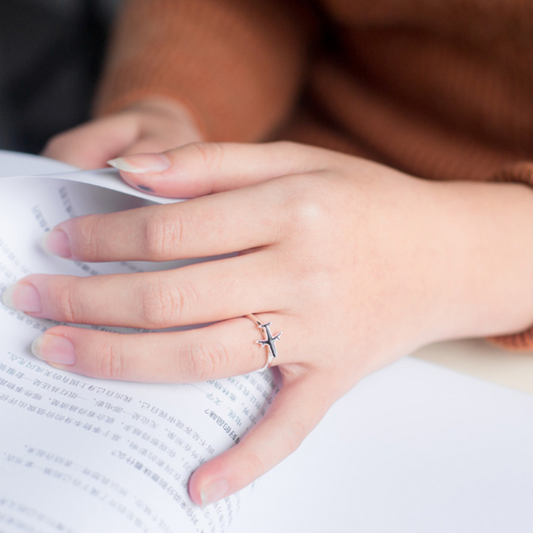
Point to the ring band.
(268, 341)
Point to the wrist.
(483, 264)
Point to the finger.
(296, 410)
(220, 350)
(150, 144)
(206, 226)
(194, 294)
(161, 141)
(198, 169)
(92, 144)
(164, 124)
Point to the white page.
(15, 163)
(19, 165)
(83, 455)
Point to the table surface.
(483, 360)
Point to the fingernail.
(215, 491)
(144, 188)
(23, 297)
(141, 163)
(54, 349)
(57, 242)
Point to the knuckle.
(305, 200)
(295, 435)
(111, 361)
(307, 211)
(206, 360)
(211, 154)
(69, 307)
(162, 304)
(85, 236)
(163, 235)
(87, 242)
(255, 466)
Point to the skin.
(151, 125)
(356, 263)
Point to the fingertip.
(220, 477)
(194, 489)
(227, 474)
(55, 349)
(23, 296)
(146, 172)
(57, 242)
(206, 492)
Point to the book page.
(84, 455)
(413, 448)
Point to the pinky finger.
(295, 412)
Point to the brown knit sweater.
(440, 90)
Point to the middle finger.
(193, 294)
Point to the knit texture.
(214, 56)
(439, 90)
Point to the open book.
(413, 448)
(84, 455)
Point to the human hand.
(151, 125)
(343, 255)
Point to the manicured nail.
(57, 242)
(215, 491)
(141, 163)
(54, 349)
(23, 297)
(144, 188)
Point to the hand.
(356, 263)
(152, 125)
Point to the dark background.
(51, 52)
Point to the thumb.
(198, 169)
(92, 144)
(154, 143)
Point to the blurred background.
(50, 55)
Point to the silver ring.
(269, 340)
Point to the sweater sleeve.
(237, 65)
(520, 172)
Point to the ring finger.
(220, 350)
